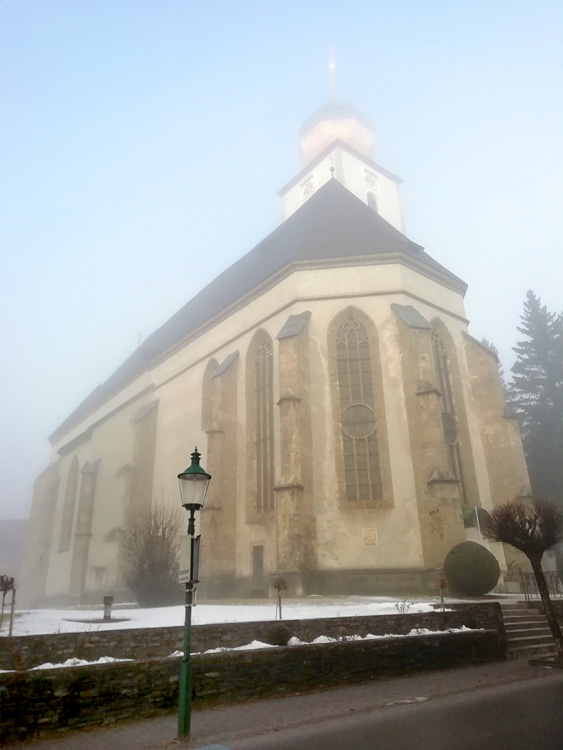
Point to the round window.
(358, 421)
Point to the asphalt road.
(521, 716)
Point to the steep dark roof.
(332, 224)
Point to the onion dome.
(336, 121)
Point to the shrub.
(278, 635)
(471, 569)
(151, 557)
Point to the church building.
(353, 428)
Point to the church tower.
(337, 142)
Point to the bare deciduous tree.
(532, 527)
(151, 556)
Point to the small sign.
(370, 537)
(189, 559)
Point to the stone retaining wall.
(37, 703)
(23, 652)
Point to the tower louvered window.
(357, 413)
(264, 442)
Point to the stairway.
(527, 632)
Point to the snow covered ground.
(46, 621)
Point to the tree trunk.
(548, 606)
(2, 615)
(12, 612)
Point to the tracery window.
(357, 412)
(264, 422)
(68, 506)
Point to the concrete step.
(521, 624)
(523, 632)
(531, 640)
(517, 609)
(524, 652)
(531, 616)
(524, 622)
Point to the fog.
(144, 144)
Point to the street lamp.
(194, 482)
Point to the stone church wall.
(131, 450)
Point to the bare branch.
(151, 551)
(532, 527)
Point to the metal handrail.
(530, 587)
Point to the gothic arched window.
(68, 506)
(357, 412)
(261, 424)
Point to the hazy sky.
(143, 144)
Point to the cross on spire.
(331, 73)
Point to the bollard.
(108, 601)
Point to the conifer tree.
(537, 396)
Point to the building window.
(263, 387)
(372, 201)
(370, 179)
(68, 506)
(357, 413)
(449, 420)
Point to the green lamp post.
(194, 482)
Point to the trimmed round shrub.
(471, 569)
(278, 635)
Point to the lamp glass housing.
(194, 482)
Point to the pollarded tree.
(536, 394)
(532, 527)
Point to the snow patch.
(42, 621)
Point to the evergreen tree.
(537, 396)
